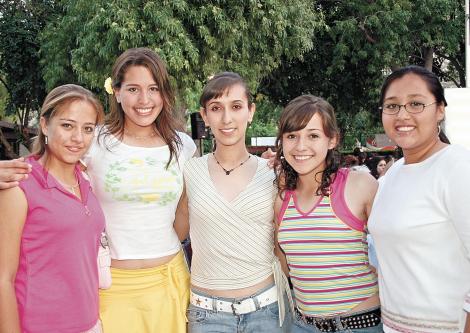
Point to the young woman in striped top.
(237, 284)
(321, 213)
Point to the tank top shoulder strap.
(338, 201)
(285, 204)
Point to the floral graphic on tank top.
(143, 180)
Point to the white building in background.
(457, 123)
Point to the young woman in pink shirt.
(50, 226)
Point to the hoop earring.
(46, 141)
(438, 129)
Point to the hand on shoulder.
(12, 172)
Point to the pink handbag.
(104, 263)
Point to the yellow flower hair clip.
(108, 86)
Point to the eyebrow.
(74, 121)
(411, 95)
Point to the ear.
(333, 142)
(43, 125)
(117, 93)
(251, 112)
(203, 113)
(440, 112)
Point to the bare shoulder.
(362, 179)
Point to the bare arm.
(277, 249)
(14, 207)
(467, 324)
(181, 224)
(11, 172)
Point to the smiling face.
(305, 150)
(228, 116)
(70, 131)
(414, 133)
(140, 99)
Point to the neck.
(139, 131)
(231, 155)
(63, 172)
(309, 184)
(419, 155)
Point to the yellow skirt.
(150, 300)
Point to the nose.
(402, 113)
(144, 97)
(226, 116)
(300, 144)
(77, 135)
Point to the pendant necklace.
(227, 172)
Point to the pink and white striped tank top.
(326, 251)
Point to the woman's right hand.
(13, 171)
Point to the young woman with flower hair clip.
(135, 166)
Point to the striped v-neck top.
(326, 251)
(232, 242)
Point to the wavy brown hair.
(295, 117)
(55, 102)
(165, 124)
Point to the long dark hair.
(295, 117)
(432, 82)
(165, 123)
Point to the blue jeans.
(299, 326)
(266, 319)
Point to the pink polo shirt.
(57, 278)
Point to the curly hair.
(295, 117)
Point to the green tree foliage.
(20, 24)
(362, 41)
(195, 38)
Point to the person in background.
(420, 220)
(321, 214)
(51, 224)
(376, 165)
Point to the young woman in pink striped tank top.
(321, 213)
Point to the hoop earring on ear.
(45, 139)
(438, 129)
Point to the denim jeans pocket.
(272, 310)
(196, 315)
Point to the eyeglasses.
(411, 107)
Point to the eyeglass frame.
(381, 108)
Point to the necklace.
(227, 172)
(137, 137)
(71, 187)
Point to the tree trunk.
(9, 151)
(428, 58)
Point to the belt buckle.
(325, 325)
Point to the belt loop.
(256, 301)
(214, 304)
(339, 324)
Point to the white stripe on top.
(232, 242)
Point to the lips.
(302, 157)
(404, 129)
(227, 130)
(144, 111)
(75, 149)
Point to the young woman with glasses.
(420, 220)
